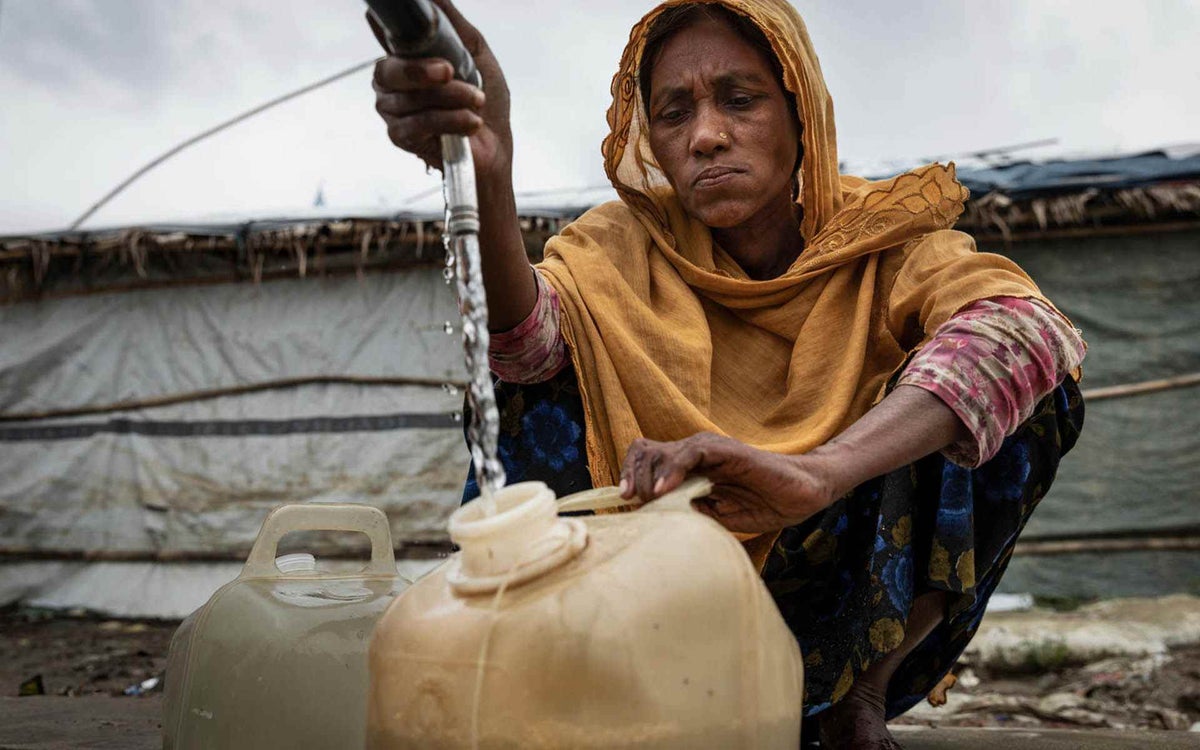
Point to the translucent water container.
(277, 658)
(648, 629)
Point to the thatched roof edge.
(67, 263)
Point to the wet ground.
(84, 665)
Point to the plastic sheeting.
(1135, 299)
(1137, 464)
(127, 491)
(106, 348)
(1072, 175)
(200, 476)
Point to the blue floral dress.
(846, 578)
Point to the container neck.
(525, 531)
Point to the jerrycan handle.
(321, 517)
(607, 498)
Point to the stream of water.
(460, 238)
(463, 262)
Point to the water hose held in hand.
(418, 28)
(415, 29)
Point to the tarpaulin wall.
(1137, 465)
(200, 475)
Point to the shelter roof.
(1023, 179)
(1011, 200)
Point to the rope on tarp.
(204, 395)
(213, 131)
(1094, 394)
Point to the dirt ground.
(79, 655)
(83, 655)
(1154, 692)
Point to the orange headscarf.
(670, 337)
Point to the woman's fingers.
(633, 469)
(643, 471)
(419, 102)
(411, 73)
(652, 469)
(426, 126)
(670, 473)
(451, 96)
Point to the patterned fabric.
(541, 435)
(991, 363)
(845, 579)
(534, 351)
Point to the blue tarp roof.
(1026, 178)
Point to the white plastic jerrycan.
(648, 629)
(277, 658)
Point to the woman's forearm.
(909, 424)
(507, 278)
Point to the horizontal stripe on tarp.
(231, 427)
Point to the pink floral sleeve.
(992, 363)
(534, 351)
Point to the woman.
(879, 406)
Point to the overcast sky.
(92, 89)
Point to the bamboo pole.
(1149, 386)
(1035, 547)
(202, 395)
(1094, 394)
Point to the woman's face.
(720, 126)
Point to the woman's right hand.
(420, 100)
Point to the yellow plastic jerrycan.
(648, 629)
(277, 658)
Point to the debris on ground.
(79, 654)
(1156, 692)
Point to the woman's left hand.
(754, 491)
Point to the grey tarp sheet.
(201, 475)
(1137, 465)
(101, 349)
